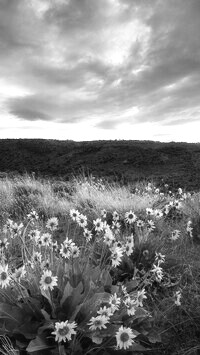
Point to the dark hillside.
(126, 161)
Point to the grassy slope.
(125, 161)
(178, 326)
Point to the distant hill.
(178, 164)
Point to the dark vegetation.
(178, 164)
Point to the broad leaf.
(38, 344)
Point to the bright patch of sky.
(106, 69)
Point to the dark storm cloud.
(60, 53)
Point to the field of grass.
(91, 267)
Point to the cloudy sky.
(100, 69)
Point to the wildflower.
(114, 302)
(124, 337)
(140, 223)
(4, 276)
(66, 248)
(98, 225)
(48, 281)
(189, 228)
(82, 221)
(105, 311)
(87, 234)
(180, 191)
(140, 297)
(166, 209)
(19, 273)
(158, 213)
(98, 322)
(128, 249)
(116, 226)
(36, 258)
(32, 216)
(115, 216)
(34, 235)
(4, 244)
(116, 256)
(177, 204)
(75, 251)
(158, 272)
(103, 213)
(130, 305)
(124, 290)
(108, 236)
(150, 225)
(130, 240)
(175, 234)
(157, 191)
(130, 217)
(16, 229)
(177, 298)
(160, 258)
(52, 223)
(74, 214)
(46, 240)
(64, 330)
(149, 211)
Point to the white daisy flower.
(32, 216)
(105, 311)
(175, 234)
(130, 240)
(103, 213)
(141, 295)
(82, 221)
(150, 225)
(75, 251)
(64, 330)
(115, 216)
(98, 225)
(4, 244)
(158, 272)
(52, 223)
(128, 249)
(74, 214)
(149, 211)
(140, 223)
(158, 213)
(130, 217)
(4, 276)
(108, 237)
(114, 302)
(124, 337)
(46, 240)
(19, 273)
(116, 227)
(87, 234)
(116, 256)
(130, 306)
(159, 258)
(34, 235)
(98, 322)
(48, 281)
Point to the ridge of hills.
(126, 161)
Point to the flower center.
(97, 323)
(124, 337)
(48, 280)
(64, 331)
(3, 276)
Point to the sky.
(100, 69)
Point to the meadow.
(94, 267)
